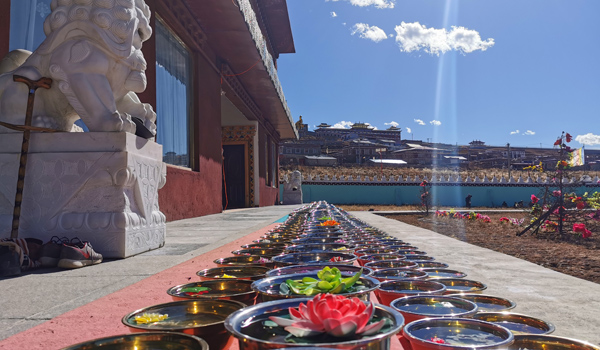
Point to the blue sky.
(452, 71)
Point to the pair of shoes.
(77, 254)
(50, 253)
(10, 260)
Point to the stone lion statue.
(92, 53)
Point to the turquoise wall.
(483, 196)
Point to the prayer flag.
(577, 157)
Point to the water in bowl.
(521, 328)
(430, 308)
(457, 336)
(183, 320)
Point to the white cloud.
(408, 130)
(588, 139)
(333, 14)
(514, 132)
(419, 121)
(392, 123)
(342, 125)
(529, 133)
(415, 36)
(435, 122)
(369, 32)
(380, 4)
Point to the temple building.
(212, 80)
(358, 130)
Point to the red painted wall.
(268, 194)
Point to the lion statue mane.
(92, 53)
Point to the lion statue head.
(123, 24)
(93, 54)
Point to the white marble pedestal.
(101, 187)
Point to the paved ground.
(29, 300)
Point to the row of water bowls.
(425, 299)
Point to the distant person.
(468, 201)
(504, 204)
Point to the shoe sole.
(48, 261)
(75, 264)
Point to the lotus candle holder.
(410, 252)
(456, 334)
(266, 253)
(270, 288)
(225, 289)
(202, 318)
(143, 341)
(244, 260)
(434, 273)
(323, 247)
(402, 247)
(516, 323)
(392, 241)
(284, 241)
(389, 264)
(431, 264)
(399, 274)
(264, 246)
(549, 342)
(316, 258)
(253, 329)
(459, 285)
(380, 257)
(487, 303)
(238, 272)
(419, 258)
(426, 306)
(310, 268)
(327, 240)
(389, 291)
(371, 251)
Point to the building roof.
(320, 157)
(388, 161)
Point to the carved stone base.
(99, 187)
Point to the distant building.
(357, 131)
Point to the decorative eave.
(234, 34)
(277, 22)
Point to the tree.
(559, 210)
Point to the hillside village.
(363, 145)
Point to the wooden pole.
(32, 85)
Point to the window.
(27, 23)
(297, 150)
(173, 91)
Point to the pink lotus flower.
(333, 314)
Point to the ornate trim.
(183, 16)
(238, 133)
